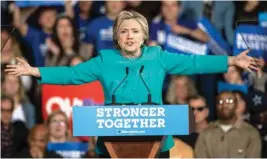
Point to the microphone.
(113, 95)
(149, 93)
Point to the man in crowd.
(200, 110)
(228, 137)
(13, 135)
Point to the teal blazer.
(109, 69)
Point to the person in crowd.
(180, 89)
(249, 10)
(9, 46)
(64, 43)
(228, 137)
(82, 14)
(233, 76)
(200, 110)
(132, 56)
(23, 109)
(99, 33)
(10, 50)
(58, 128)
(144, 8)
(13, 134)
(36, 38)
(241, 110)
(169, 23)
(259, 79)
(37, 141)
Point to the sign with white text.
(252, 36)
(130, 120)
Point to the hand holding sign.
(244, 61)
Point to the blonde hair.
(60, 112)
(171, 95)
(125, 15)
(22, 93)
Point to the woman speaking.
(136, 61)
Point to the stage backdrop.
(56, 97)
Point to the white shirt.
(18, 114)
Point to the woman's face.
(57, 126)
(130, 36)
(11, 85)
(181, 88)
(232, 76)
(64, 29)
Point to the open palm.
(21, 68)
(247, 62)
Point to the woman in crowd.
(180, 89)
(58, 127)
(64, 43)
(23, 110)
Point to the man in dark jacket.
(13, 134)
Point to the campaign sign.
(223, 86)
(31, 3)
(135, 120)
(69, 149)
(216, 44)
(252, 36)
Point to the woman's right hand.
(22, 68)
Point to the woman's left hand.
(244, 61)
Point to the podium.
(132, 131)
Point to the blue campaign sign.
(130, 120)
(216, 44)
(32, 3)
(255, 37)
(223, 86)
(69, 149)
(263, 19)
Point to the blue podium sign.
(133, 120)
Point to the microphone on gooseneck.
(113, 95)
(149, 93)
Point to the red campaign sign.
(56, 97)
(64, 97)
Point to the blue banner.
(223, 86)
(263, 19)
(255, 37)
(130, 120)
(39, 3)
(69, 149)
(217, 44)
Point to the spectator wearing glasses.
(228, 137)
(200, 110)
(58, 127)
(13, 134)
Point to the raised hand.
(246, 62)
(22, 68)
